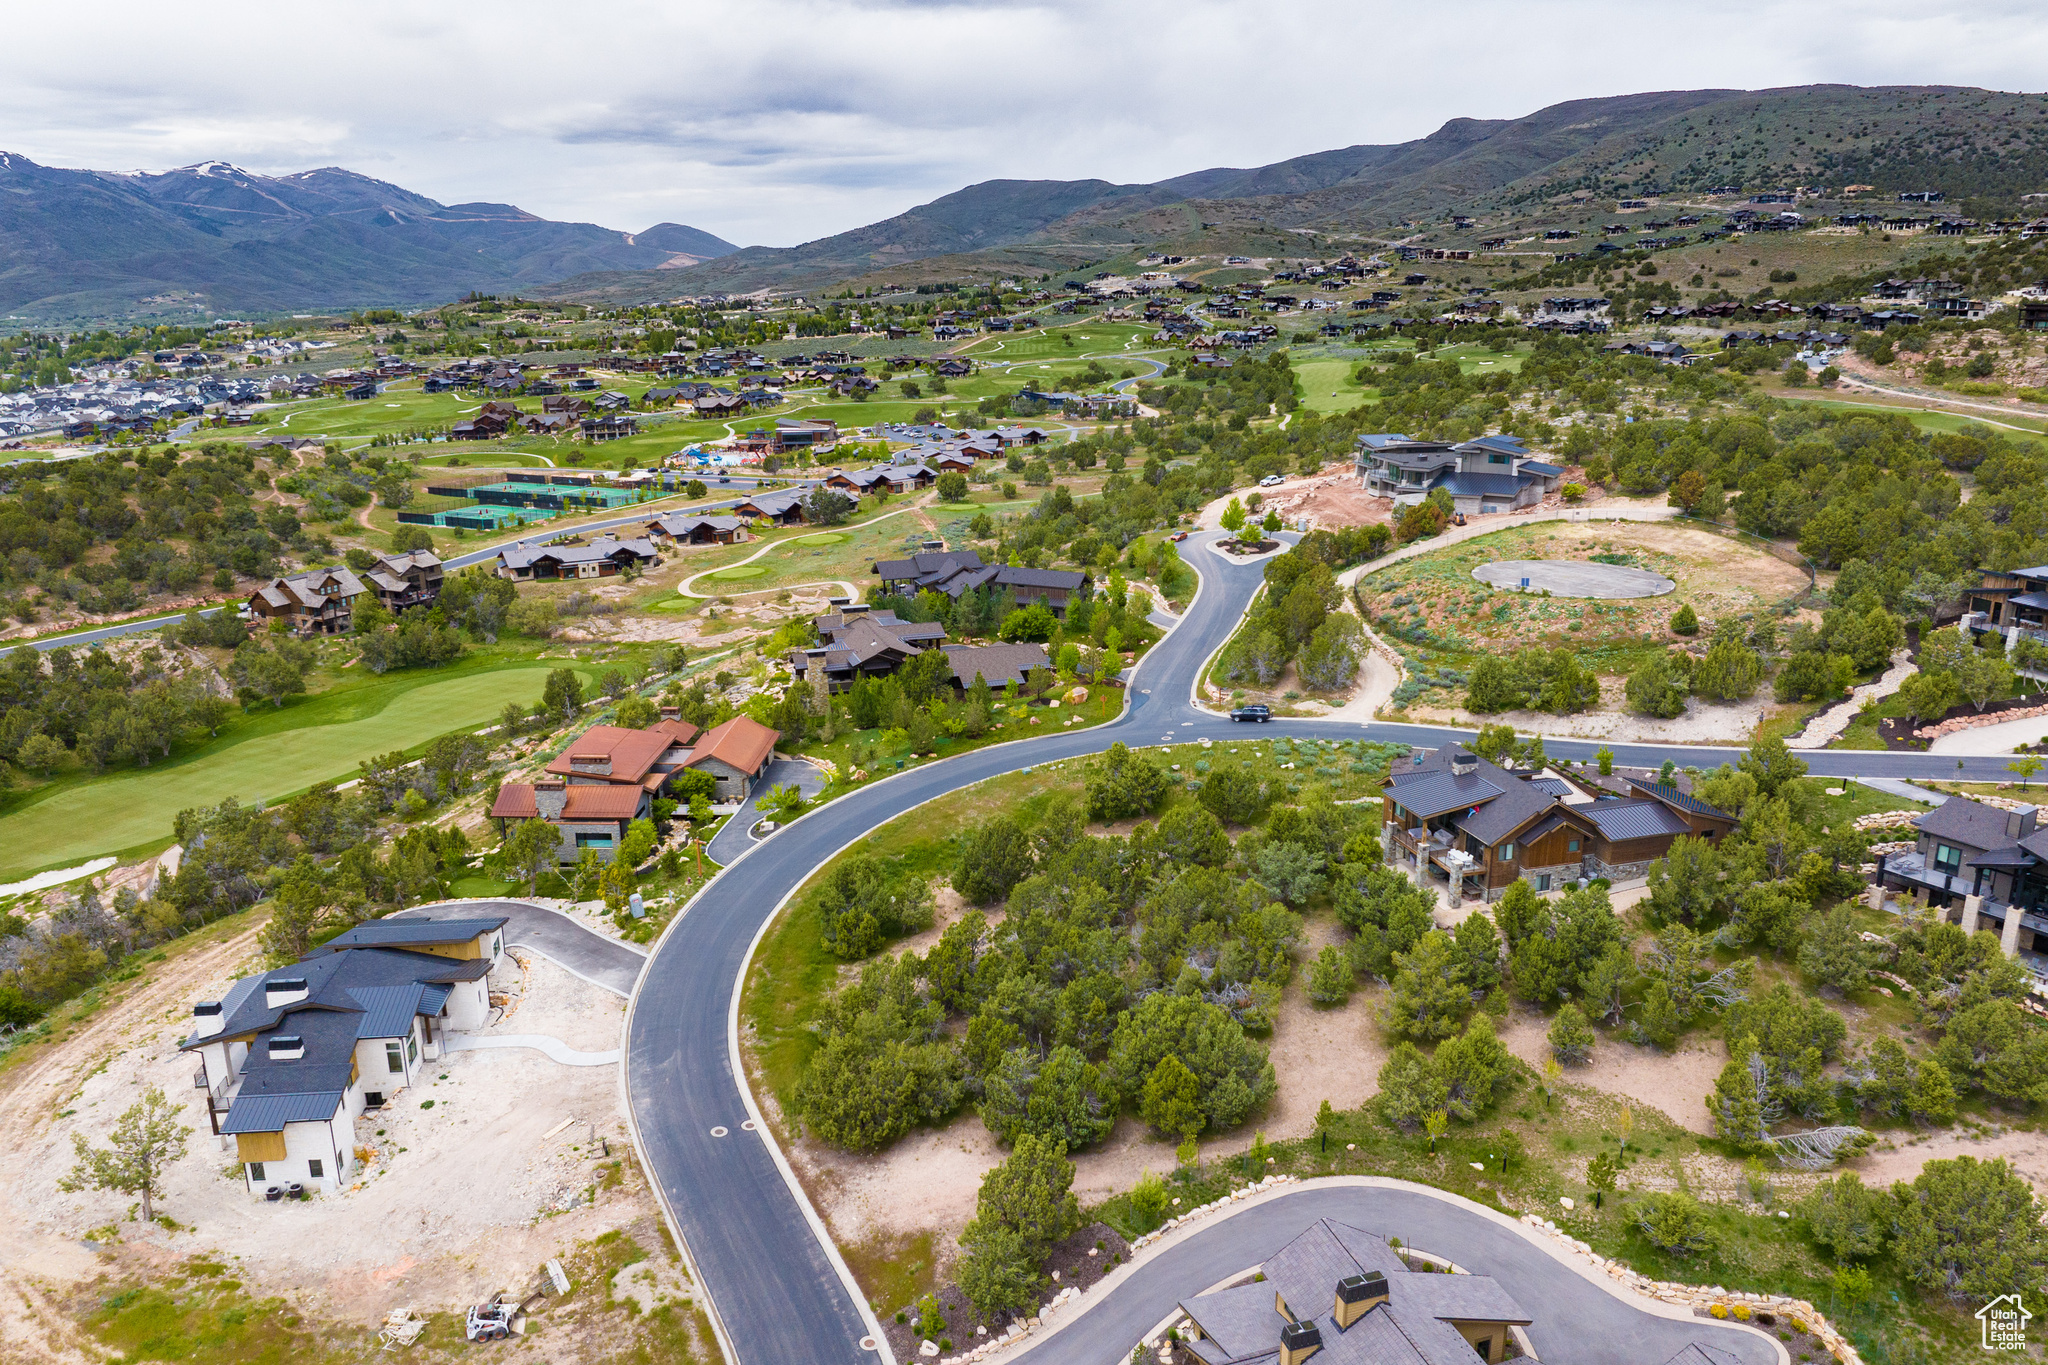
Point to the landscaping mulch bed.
(1071, 1260)
(1803, 1346)
(1897, 731)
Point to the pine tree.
(1571, 1037)
(1739, 1097)
(146, 1139)
(1934, 1095)
(1685, 621)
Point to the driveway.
(1577, 1320)
(735, 836)
(561, 940)
(2004, 737)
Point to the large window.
(593, 841)
(256, 1170)
(1947, 859)
(394, 1058)
(1507, 853)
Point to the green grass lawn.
(273, 753)
(1327, 386)
(1932, 421)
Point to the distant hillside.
(80, 244)
(1972, 144)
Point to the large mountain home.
(860, 642)
(2012, 602)
(289, 1058)
(408, 580)
(1490, 474)
(609, 777)
(696, 528)
(905, 477)
(785, 508)
(603, 557)
(315, 602)
(1454, 820)
(1347, 1297)
(958, 572)
(1989, 864)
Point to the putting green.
(823, 538)
(676, 604)
(131, 809)
(739, 571)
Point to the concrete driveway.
(561, 940)
(735, 836)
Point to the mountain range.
(87, 243)
(92, 244)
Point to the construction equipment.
(490, 1321)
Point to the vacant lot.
(1435, 594)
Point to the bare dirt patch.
(467, 1189)
(1675, 1084)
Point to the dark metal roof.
(1480, 485)
(388, 1011)
(1627, 819)
(1671, 795)
(270, 1113)
(1556, 786)
(407, 933)
(1971, 824)
(1432, 794)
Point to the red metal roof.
(742, 742)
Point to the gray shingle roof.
(1968, 823)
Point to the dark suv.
(1258, 712)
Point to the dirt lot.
(473, 1179)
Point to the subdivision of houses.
(957, 572)
(1455, 821)
(289, 1058)
(1490, 474)
(1347, 1297)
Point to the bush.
(1122, 784)
(1673, 1223)
(1330, 977)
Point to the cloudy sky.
(777, 121)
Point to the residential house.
(603, 557)
(291, 1057)
(1348, 1297)
(314, 602)
(957, 572)
(785, 508)
(1490, 474)
(611, 426)
(737, 755)
(407, 580)
(1456, 820)
(997, 665)
(591, 816)
(857, 641)
(696, 528)
(1983, 866)
(2012, 602)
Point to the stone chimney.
(596, 764)
(1463, 763)
(1299, 1341)
(550, 796)
(671, 713)
(208, 1019)
(1358, 1295)
(283, 990)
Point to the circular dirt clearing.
(739, 571)
(1573, 578)
(823, 538)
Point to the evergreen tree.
(1430, 995)
(1571, 1037)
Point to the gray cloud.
(777, 121)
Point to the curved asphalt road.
(764, 1259)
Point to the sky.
(774, 122)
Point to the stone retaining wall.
(1705, 1297)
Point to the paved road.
(583, 952)
(1577, 1321)
(764, 1260)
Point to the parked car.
(1258, 711)
(1271, 480)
